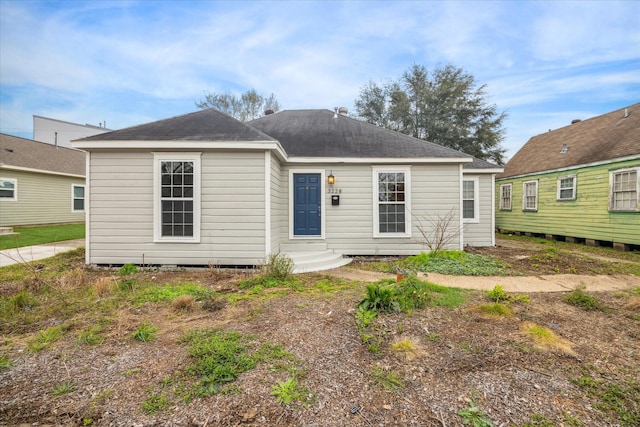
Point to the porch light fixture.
(331, 179)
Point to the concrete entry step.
(7, 231)
(305, 262)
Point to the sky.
(125, 63)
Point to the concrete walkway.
(34, 253)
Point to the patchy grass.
(619, 398)
(545, 338)
(579, 298)
(387, 379)
(496, 309)
(30, 236)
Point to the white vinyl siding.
(505, 197)
(41, 198)
(530, 196)
(624, 194)
(435, 190)
(8, 190)
(232, 211)
(392, 202)
(567, 187)
(481, 231)
(77, 198)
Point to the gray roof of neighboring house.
(322, 133)
(480, 164)
(27, 153)
(605, 137)
(204, 125)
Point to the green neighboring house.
(579, 183)
(40, 183)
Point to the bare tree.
(248, 106)
(438, 230)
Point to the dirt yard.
(459, 357)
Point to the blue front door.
(306, 204)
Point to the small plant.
(389, 380)
(579, 298)
(5, 362)
(128, 270)
(407, 347)
(278, 266)
(127, 285)
(156, 402)
(103, 286)
(46, 338)
(473, 416)
(381, 298)
(290, 391)
(91, 336)
(183, 303)
(498, 294)
(495, 310)
(538, 420)
(145, 332)
(63, 388)
(545, 338)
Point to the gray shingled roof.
(204, 125)
(26, 153)
(606, 137)
(318, 133)
(480, 164)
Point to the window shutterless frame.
(391, 201)
(77, 198)
(566, 188)
(176, 197)
(8, 189)
(505, 197)
(470, 202)
(530, 196)
(624, 190)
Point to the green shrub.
(128, 270)
(278, 266)
(579, 298)
(382, 298)
(498, 294)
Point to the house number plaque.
(334, 190)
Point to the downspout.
(460, 202)
(267, 203)
(87, 209)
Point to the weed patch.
(619, 399)
(473, 416)
(495, 310)
(46, 338)
(289, 391)
(63, 388)
(387, 379)
(145, 332)
(545, 338)
(457, 263)
(579, 298)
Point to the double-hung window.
(470, 200)
(177, 197)
(8, 189)
(391, 202)
(567, 187)
(77, 196)
(530, 196)
(505, 197)
(624, 195)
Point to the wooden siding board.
(586, 217)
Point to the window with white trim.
(177, 197)
(392, 202)
(567, 187)
(624, 194)
(8, 189)
(505, 197)
(530, 196)
(77, 198)
(470, 200)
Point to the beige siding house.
(40, 183)
(204, 188)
